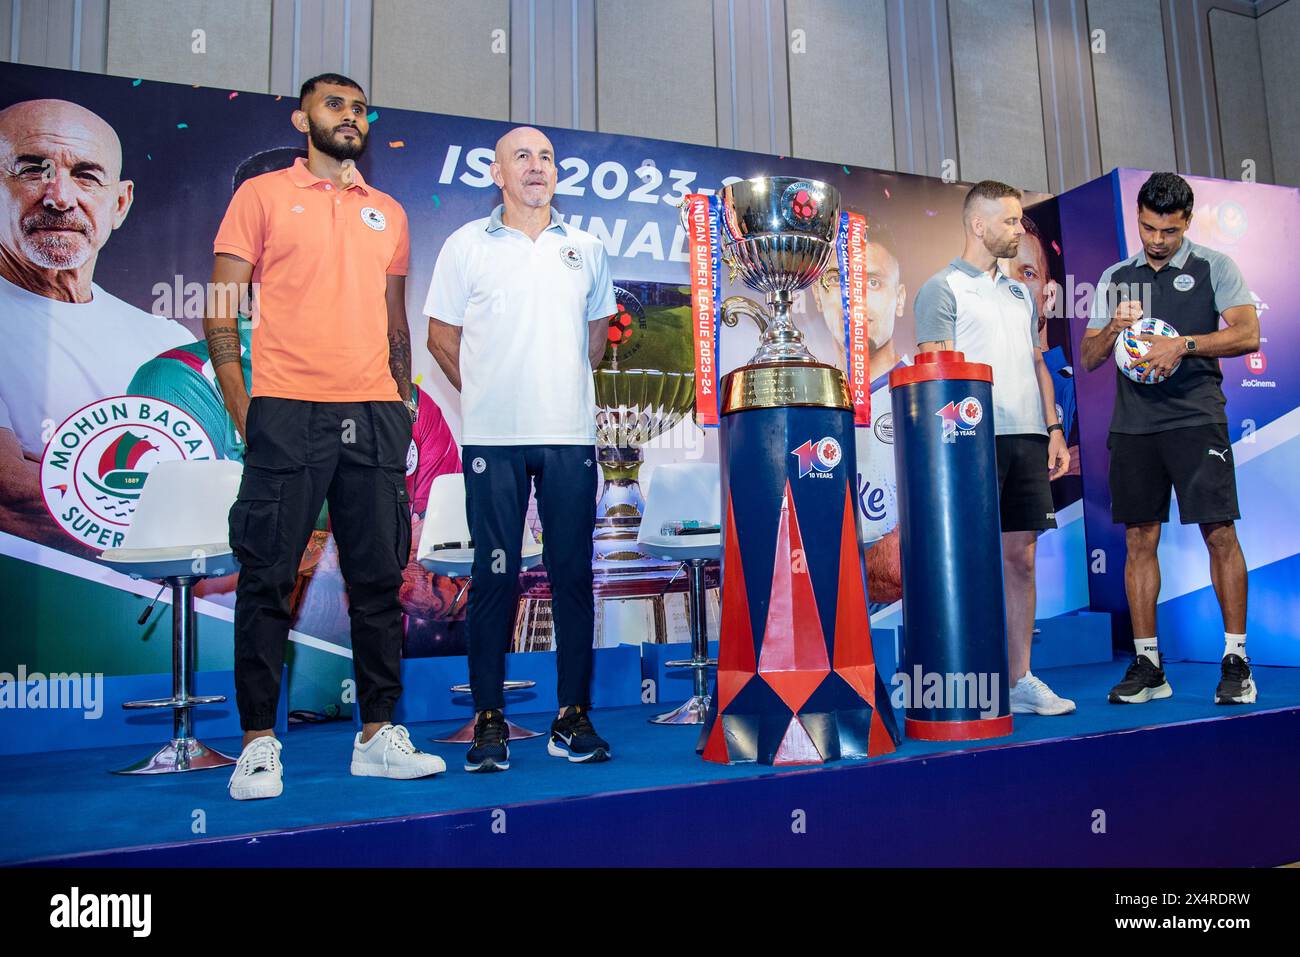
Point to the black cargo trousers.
(299, 455)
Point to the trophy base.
(618, 513)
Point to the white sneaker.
(390, 754)
(1030, 696)
(258, 772)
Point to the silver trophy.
(644, 387)
(776, 233)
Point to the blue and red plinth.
(797, 680)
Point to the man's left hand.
(1058, 456)
(1164, 353)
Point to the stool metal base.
(466, 733)
(691, 711)
(694, 708)
(180, 754)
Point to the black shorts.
(1024, 491)
(1196, 462)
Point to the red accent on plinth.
(958, 730)
(736, 639)
(796, 747)
(793, 660)
(878, 741)
(854, 661)
(715, 749)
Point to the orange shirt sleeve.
(243, 228)
(400, 263)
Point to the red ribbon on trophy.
(701, 220)
(851, 250)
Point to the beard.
(50, 250)
(323, 139)
(1006, 249)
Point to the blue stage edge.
(1111, 785)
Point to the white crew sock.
(1147, 646)
(1234, 645)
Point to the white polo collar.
(496, 223)
(970, 269)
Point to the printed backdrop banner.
(1257, 226)
(137, 275)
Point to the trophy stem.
(782, 341)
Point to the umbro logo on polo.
(296, 209)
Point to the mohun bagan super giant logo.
(628, 319)
(96, 463)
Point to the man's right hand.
(238, 409)
(1126, 313)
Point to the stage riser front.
(1216, 792)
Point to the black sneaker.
(1236, 686)
(490, 751)
(1142, 682)
(573, 737)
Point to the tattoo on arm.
(223, 345)
(399, 361)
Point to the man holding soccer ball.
(1169, 428)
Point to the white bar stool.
(179, 536)
(685, 494)
(447, 549)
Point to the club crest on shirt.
(570, 256)
(1184, 283)
(412, 458)
(96, 463)
(374, 218)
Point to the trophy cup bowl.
(776, 234)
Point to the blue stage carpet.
(62, 803)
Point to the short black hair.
(337, 79)
(1165, 193)
(879, 234)
(989, 189)
(267, 161)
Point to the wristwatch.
(1189, 344)
(413, 407)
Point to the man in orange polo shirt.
(331, 346)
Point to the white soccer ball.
(1130, 351)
